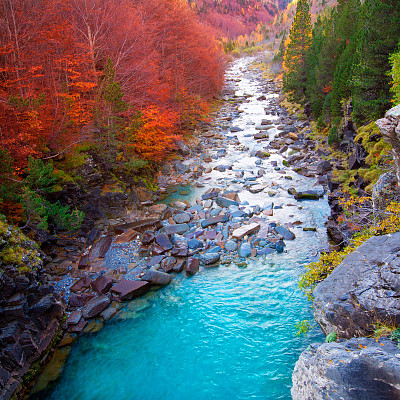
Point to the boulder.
(231, 245)
(102, 284)
(285, 233)
(357, 369)
(210, 258)
(148, 237)
(181, 218)
(168, 263)
(182, 147)
(127, 290)
(308, 195)
(95, 306)
(157, 277)
(211, 193)
(81, 284)
(361, 290)
(163, 241)
(192, 266)
(244, 250)
(389, 127)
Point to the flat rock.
(244, 230)
(214, 220)
(127, 290)
(95, 306)
(178, 229)
(126, 237)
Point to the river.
(226, 332)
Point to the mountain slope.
(237, 17)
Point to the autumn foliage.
(128, 73)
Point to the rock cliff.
(355, 369)
(30, 312)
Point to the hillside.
(237, 17)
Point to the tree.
(395, 73)
(294, 62)
(377, 39)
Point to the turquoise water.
(226, 333)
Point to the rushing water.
(225, 333)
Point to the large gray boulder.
(362, 290)
(356, 369)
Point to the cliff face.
(356, 369)
(363, 292)
(30, 312)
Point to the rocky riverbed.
(233, 198)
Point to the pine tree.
(294, 62)
(395, 73)
(378, 38)
(346, 27)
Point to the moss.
(18, 249)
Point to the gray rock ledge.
(355, 369)
(363, 289)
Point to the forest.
(350, 55)
(126, 78)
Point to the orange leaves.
(328, 89)
(155, 138)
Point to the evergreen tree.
(346, 28)
(323, 63)
(395, 73)
(377, 40)
(300, 39)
